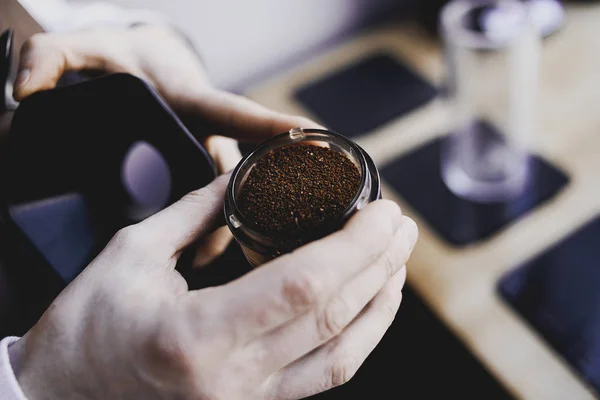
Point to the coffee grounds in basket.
(299, 192)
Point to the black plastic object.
(365, 95)
(558, 294)
(85, 160)
(6, 41)
(416, 177)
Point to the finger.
(224, 151)
(182, 223)
(320, 325)
(241, 118)
(212, 246)
(293, 284)
(336, 362)
(46, 57)
(41, 64)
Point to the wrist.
(16, 354)
(30, 371)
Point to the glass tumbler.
(491, 55)
(260, 247)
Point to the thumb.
(195, 215)
(45, 57)
(42, 62)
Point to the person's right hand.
(129, 328)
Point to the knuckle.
(301, 290)
(133, 237)
(342, 370)
(334, 319)
(385, 213)
(204, 198)
(373, 231)
(402, 247)
(389, 309)
(35, 41)
(389, 263)
(125, 236)
(263, 318)
(199, 195)
(389, 313)
(121, 237)
(359, 242)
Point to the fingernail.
(411, 231)
(23, 77)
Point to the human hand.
(129, 328)
(160, 56)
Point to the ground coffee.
(298, 193)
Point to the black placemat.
(416, 177)
(558, 294)
(362, 96)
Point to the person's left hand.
(163, 58)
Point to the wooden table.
(460, 285)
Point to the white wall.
(242, 40)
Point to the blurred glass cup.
(492, 57)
